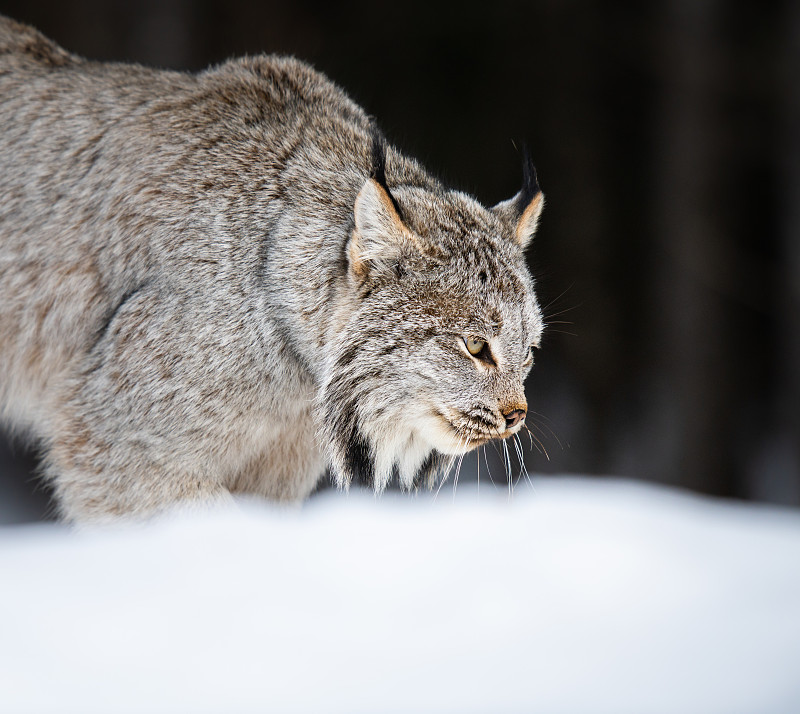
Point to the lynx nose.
(514, 417)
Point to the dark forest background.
(667, 139)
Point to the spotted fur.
(227, 282)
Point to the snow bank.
(578, 597)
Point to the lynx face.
(433, 361)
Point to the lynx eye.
(474, 345)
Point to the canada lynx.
(227, 282)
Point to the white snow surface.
(579, 596)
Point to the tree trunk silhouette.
(689, 426)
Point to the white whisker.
(507, 461)
(478, 461)
(458, 468)
(449, 468)
(518, 449)
(540, 445)
(488, 469)
(540, 422)
(522, 461)
(557, 298)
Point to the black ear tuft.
(523, 210)
(378, 170)
(530, 181)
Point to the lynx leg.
(158, 410)
(100, 498)
(288, 469)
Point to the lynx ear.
(523, 210)
(380, 236)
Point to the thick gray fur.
(204, 291)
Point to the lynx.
(228, 282)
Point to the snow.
(578, 596)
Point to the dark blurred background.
(667, 138)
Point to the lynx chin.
(228, 282)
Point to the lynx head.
(433, 359)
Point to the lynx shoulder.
(227, 282)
